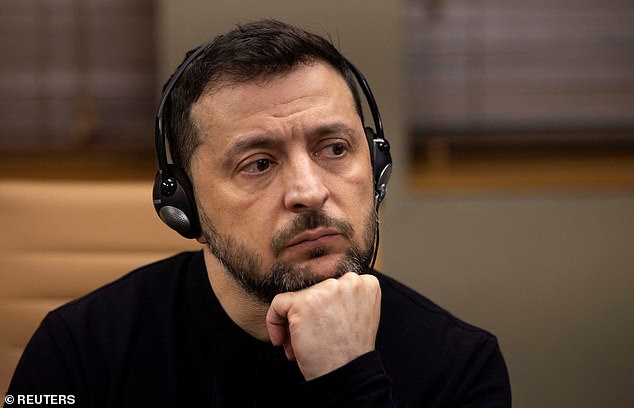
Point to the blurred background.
(511, 203)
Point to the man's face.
(283, 180)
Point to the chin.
(324, 266)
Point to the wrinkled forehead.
(305, 87)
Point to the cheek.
(362, 180)
(366, 170)
(224, 209)
(356, 196)
(365, 201)
(241, 216)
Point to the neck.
(242, 308)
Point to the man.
(281, 308)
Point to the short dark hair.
(251, 52)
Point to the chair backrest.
(62, 239)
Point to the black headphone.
(173, 195)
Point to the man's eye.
(336, 149)
(258, 166)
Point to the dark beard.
(243, 264)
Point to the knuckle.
(370, 280)
(313, 297)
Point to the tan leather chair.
(62, 239)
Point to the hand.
(327, 325)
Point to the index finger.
(276, 318)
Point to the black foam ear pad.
(174, 202)
(381, 162)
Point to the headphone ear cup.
(381, 162)
(174, 202)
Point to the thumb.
(288, 350)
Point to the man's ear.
(202, 239)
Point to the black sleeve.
(360, 383)
(50, 364)
(485, 381)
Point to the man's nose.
(305, 189)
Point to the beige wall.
(551, 274)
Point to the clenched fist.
(327, 325)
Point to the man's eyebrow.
(330, 128)
(248, 143)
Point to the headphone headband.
(159, 129)
(369, 97)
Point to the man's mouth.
(310, 232)
(312, 239)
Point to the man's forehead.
(306, 87)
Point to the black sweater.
(158, 337)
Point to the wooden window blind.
(77, 75)
(491, 73)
